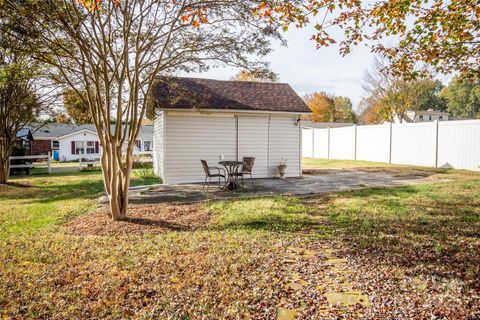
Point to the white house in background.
(422, 116)
(68, 142)
(214, 120)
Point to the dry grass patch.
(142, 219)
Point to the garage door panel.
(253, 142)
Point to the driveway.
(317, 182)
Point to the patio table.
(231, 167)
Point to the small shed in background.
(214, 120)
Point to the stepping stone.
(302, 252)
(347, 298)
(287, 314)
(295, 286)
(289, 260)
(336, 261)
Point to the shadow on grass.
(52, 187)
(276, 214)
(170, 226)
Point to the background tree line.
(330, 108)
(388, 96)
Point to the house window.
(421, 118)
(55, 144)
(430, 118)
(79, 147)
(139, 144)
(147, 145)
(91, 147)
(440, 118)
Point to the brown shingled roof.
(189, 93)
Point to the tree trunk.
(116, 177)
(5, 151)
(4, 171)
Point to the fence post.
(328, 144)
(436, 143)
(390, 144)
(49, 161)
(355, 142)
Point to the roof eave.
(75, 132)
(236, 111)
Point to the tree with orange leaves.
(329, 108)
(441, 36)
(322, 105)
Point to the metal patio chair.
(209, 175)
(247, 167)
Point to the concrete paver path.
(328, 181)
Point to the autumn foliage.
(443, 35)
(329, 108)
(321, 105)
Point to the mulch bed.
(152, 219)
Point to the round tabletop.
(230, 163)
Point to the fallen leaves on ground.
(142, 219)
(400, 253)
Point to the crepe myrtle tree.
(115, 51)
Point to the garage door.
(253, 142)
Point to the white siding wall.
(459, 144)
(158, 142)
(373, 143)
(414, 143)
(253, 142)
(190, 138)
(344, 137)
(65, 146)
(285, 143)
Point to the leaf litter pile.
(404, 253)
(152, 219)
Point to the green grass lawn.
(42, 201)
(309, 163)
(413, 250)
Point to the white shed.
(214, 120)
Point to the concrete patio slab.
(328, 181)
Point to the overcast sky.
(307, 69)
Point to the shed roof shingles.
(189, 93)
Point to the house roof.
(76, 132)
(56, 130)
(431, 112)
(192, 93)
(24, 134)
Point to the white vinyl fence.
(442, 144)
